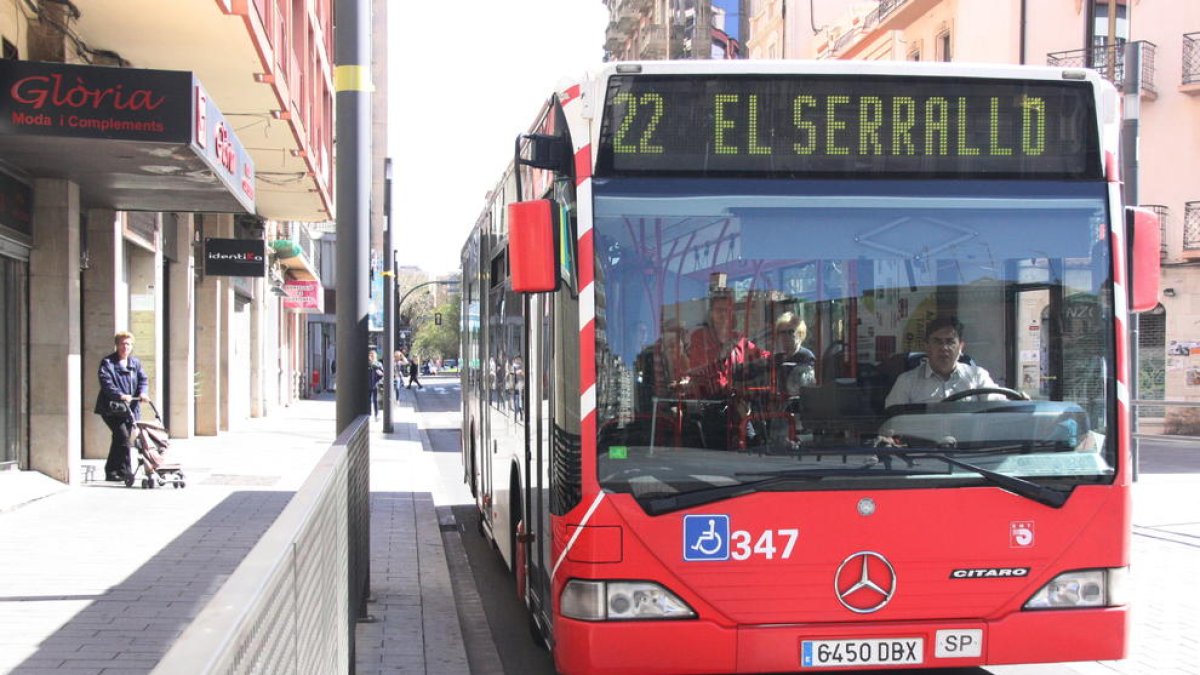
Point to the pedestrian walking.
(516, 374)
(399, 362)
(413, 371)
(375, 378)
(123, 383)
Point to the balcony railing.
(1163, 213)
(877, 15)
(1109, 61)
(1191, 58)
(870, 20)
(1191, 226)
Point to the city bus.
(687, 303)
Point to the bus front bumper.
(697, 647)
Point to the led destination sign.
(860, 125)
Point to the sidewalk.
(99, 579)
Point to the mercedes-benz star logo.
(864, 582)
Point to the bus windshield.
(845, 334)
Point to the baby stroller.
(151, 440)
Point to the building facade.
(141, 152)
(1067, 33)
(649, 30)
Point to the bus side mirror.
(1145, 235)
(531, 246)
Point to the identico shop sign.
(213, 139)
(235, 257)
(58, 99)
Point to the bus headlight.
(621, 601)
(1083, 588)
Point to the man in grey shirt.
(940, 374)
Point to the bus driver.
(941, 373)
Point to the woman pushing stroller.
(123, 383)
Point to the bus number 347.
(767, 545)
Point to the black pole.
(1132, 90)
(389, 297)
(353, 184)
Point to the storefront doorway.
(14, 442)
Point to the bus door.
(539, 376)
(492, 381)
(1037, 367)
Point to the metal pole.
(389, 294)
(444, 282)
(1111, 40)
(352, 80)
(1132, 89)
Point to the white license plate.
(853, 653)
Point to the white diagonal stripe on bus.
(578, 531)
(583, 202)
(587, 305)
(587, 401)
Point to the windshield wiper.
(1018, 486)
(659, 505)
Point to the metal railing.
(1109, 61)
(291, 605)
(870, 20)
(1182, 423)
(881, 11)
(1191, 226)
(1191, 58)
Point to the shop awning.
(290, 255)
(133, 139)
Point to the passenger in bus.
(793, 369)
(720, 364)
(659, 366)
(941, 373)
(794, 363)
(717, 354)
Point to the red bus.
(789, 367)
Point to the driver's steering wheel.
(1011, 394)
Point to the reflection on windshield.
(748, 326)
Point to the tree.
(435, 341)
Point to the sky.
(464, 79)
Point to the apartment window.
(1100, 23)
(943, 46)
(1105, 56)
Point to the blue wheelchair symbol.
(706, 537)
